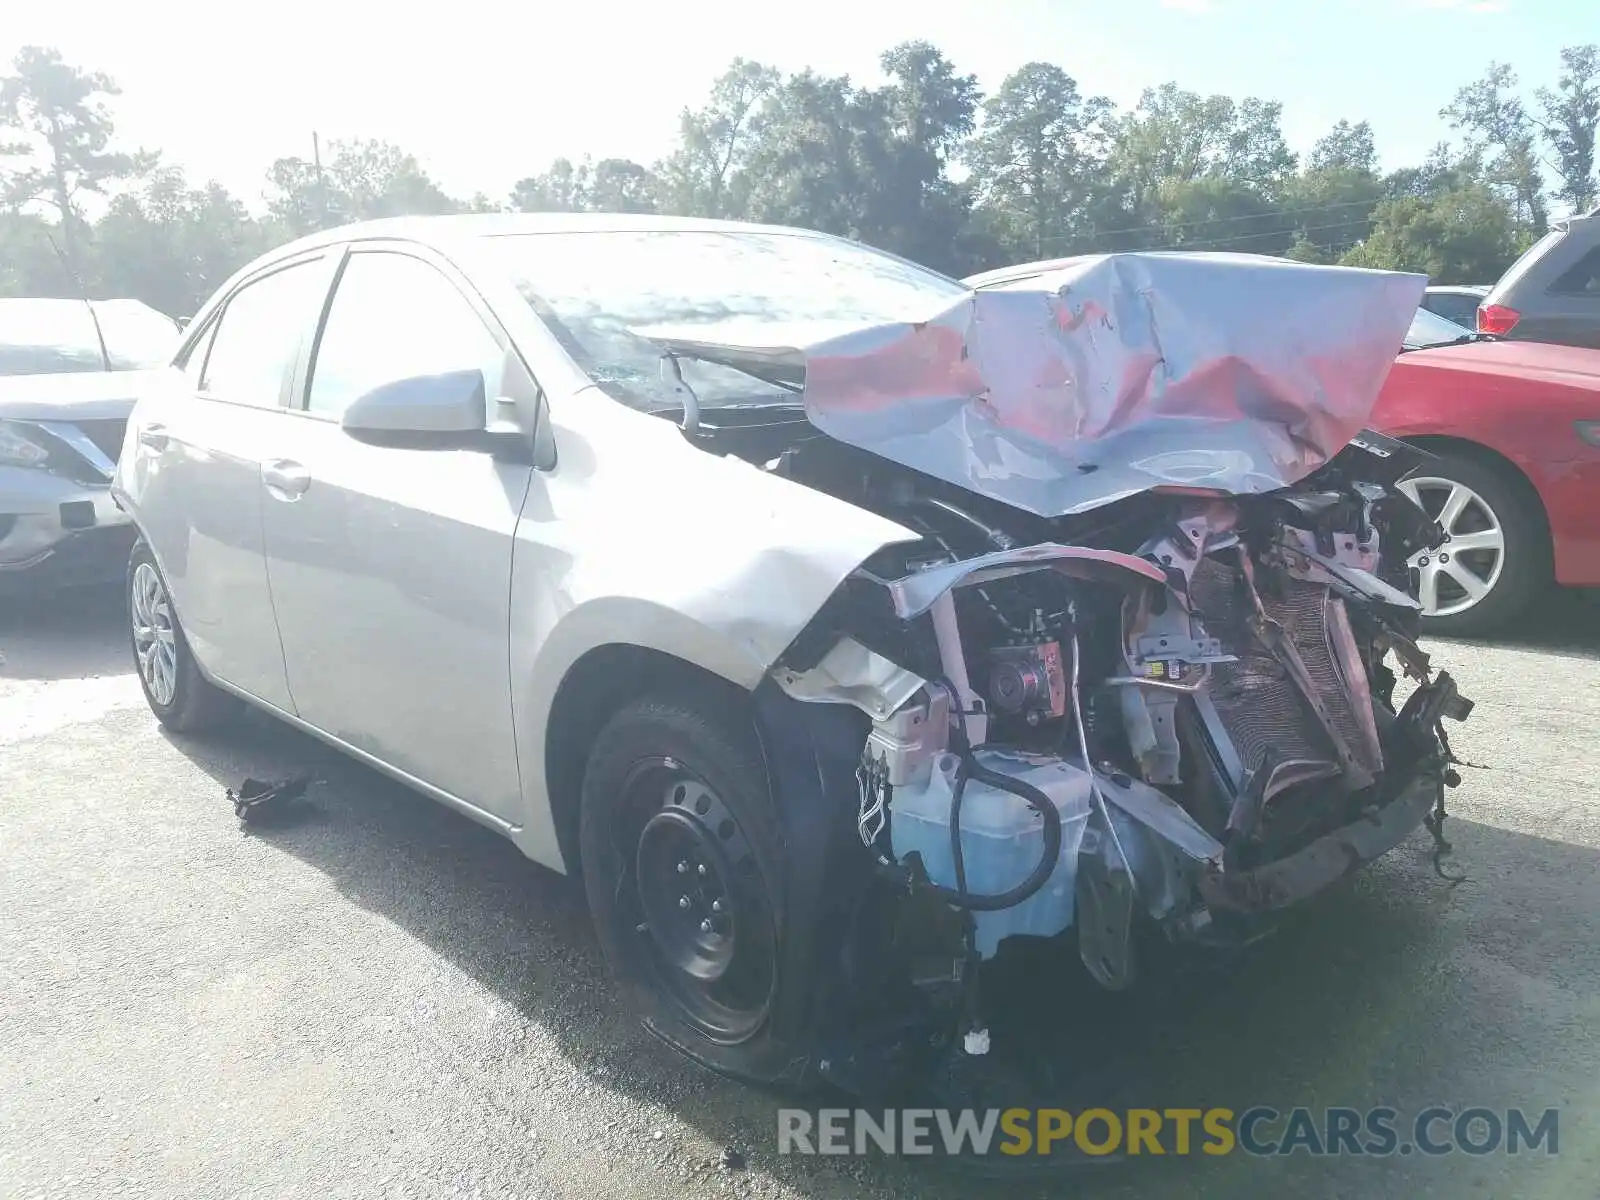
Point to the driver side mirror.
(422, 412)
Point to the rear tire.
(1498, 559)
(683, 865)
(178, 695)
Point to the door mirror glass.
(420, 410)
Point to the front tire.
(1497, 558)
(682, 862)
(178, 695)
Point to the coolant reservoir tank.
(1001, 838)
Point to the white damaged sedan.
(843, 624)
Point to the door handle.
(154, 436)
(285, 480)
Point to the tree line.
(923, 164)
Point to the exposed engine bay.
(1178, 711)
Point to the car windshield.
(598, 289)
(1430, 329)
(43, 337)
(57, 336)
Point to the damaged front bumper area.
(58, 531)
(1112, 749)
(1270, 888)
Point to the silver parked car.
(737, 566)
(69, 373)
(1456, 302)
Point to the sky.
(484, 93)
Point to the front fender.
(640, 539)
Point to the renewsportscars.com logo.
(1259, 1131)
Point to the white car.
(69, 372)
(735, 565)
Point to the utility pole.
(322, 180)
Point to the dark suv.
(1551, 293)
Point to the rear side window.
(395, 317)
(1582, 278)
(1523, 265)
(258, 338)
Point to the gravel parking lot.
(383, 999)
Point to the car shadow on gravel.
(1565, 622)
(1365, 999)
(74, 634)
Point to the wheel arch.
(593, 690)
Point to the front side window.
(395, 317)
(603, 292)
(258, 337)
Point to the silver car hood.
(72, 395)
(1102, 377)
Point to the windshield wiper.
(1463, 340)
(756, 364)
(672, 376)
(689, 408)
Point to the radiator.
(1256, 700)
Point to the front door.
(391, 568)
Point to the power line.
(1248, 237)
(1206, 222)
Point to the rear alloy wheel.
(178, 695)
(1489, 569)
(681, 862)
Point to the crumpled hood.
(73, 395)
(1106, 376)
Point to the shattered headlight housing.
(17, 449)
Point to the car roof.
(1460, 289)
(445, 232)
(460, 226)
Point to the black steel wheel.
(705, 923)
(682, 864)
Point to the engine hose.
(970, 768)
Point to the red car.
(1516, 427)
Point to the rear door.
(195, 482)
(391, 568)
